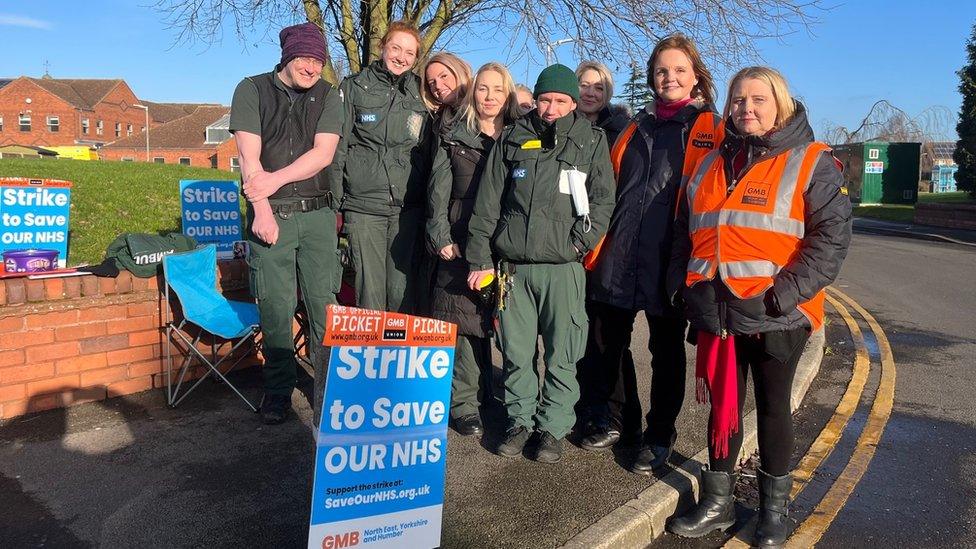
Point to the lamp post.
(551, 49)
(145, 108)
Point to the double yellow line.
(817, 523)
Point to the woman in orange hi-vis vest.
(762, 228)
(651, 158)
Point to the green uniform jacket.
(520, 214)
(382, 160)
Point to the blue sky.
(861, 51)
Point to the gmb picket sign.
(382, 439)
(211, 213)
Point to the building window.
(118, 129)
(873, 154)
(1, 123)
(54, 123)
(235, 164)
(159, 160)
(217, 135)
(84, 126)
(128, 129)
(185, 160)
(99, 127)
(128, 159)
(25, 122)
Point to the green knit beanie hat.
(557, 78)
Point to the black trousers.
(772, 357)
(614, 381)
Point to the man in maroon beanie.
(286, 124)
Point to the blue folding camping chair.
(193, 278)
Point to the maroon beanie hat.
(304, 40)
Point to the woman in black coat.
(460, 156)
(629, 275)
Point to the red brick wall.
(67, 341)
(198, 157)
(43, 103)
(116, 106)
(225, 151)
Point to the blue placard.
(382, 439)
(211, 213)
(34, 215)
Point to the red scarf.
(717, 377)
(666, 110)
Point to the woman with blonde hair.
(446, 79)
(773, 201)
(461, 153)
(596, 92)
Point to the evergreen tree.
(635, 91)
(965, 154)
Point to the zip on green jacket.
(522, 214)
(382, 161)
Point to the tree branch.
(379, 22)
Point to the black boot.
(715, 509)
(774, 499)
(649, 458)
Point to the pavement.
(911, 230)
(130, 472)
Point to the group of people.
(519, 214)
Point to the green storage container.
(880, 172)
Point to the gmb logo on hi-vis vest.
(756, 193)
(519, 173)
(703, 140)
(368, 118)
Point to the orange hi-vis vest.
(705, 135)
(747, 236)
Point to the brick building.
(50, 112)
(199, 139)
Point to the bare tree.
(886, 122)
(726, 30)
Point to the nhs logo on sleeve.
(519, 173)
(368, 118)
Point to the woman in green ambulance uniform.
(382, 164)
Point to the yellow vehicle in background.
(75, 152)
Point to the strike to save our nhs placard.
(382, 439)
(211, 213)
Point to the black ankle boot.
(774, 499)
(715, 509)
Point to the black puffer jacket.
(710, 305)
(633, 265)
(612, 120)
(459, 160)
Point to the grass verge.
(109, 198)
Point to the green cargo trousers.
(303, 257)
(386, 256)
(546, 300)
(471, 384)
